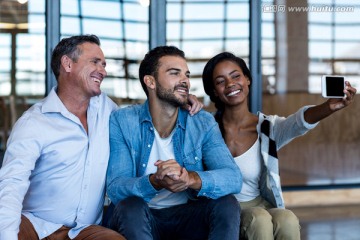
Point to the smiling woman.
(254, 140)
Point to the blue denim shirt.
(198, 146)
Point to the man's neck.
(77, 105)
(164, 117)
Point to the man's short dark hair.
(150, 64)
(69, 47)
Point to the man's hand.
(171, 176)
(169, 168)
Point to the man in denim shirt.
(170, 175)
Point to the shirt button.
(149, 145)
(151, 128)
(196, 158)
(204, 194)
(144, 165)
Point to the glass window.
(320, 38)
(134, 11)
(321, 32)
(201, 12)
(98, 8)
(70, 25)
(5, 64)
(22, 26)
(70, 7)
(202, 35)
(347, 49)
(348, 32)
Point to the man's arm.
(221, 175)
(122, 180)
(206, 153)
(19, 160)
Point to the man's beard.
(167, 95)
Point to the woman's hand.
(194, 105)
(336, 104)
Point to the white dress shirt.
(53, 170)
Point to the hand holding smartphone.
(332, 86)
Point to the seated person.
(53, 175)
(170, 175)
(254, 140)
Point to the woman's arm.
(319, 112)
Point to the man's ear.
(149, 81)
(66, 63)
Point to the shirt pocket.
(193, 159)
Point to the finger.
(196, 108)
(349, 95)
(174, 186)
(174, 177)
(158, 162)
(194, 104)
(168, 171)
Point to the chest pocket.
(193, 159)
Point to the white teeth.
(96, 80)
(233, 93)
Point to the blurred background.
(288, 46)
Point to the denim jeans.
(198, 219)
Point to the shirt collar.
(52, 103)
(146, 117)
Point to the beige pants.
(260, 221)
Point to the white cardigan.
(274, 132)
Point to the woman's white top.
(250, 167)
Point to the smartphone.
(332, 86)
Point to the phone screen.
(335, 86)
